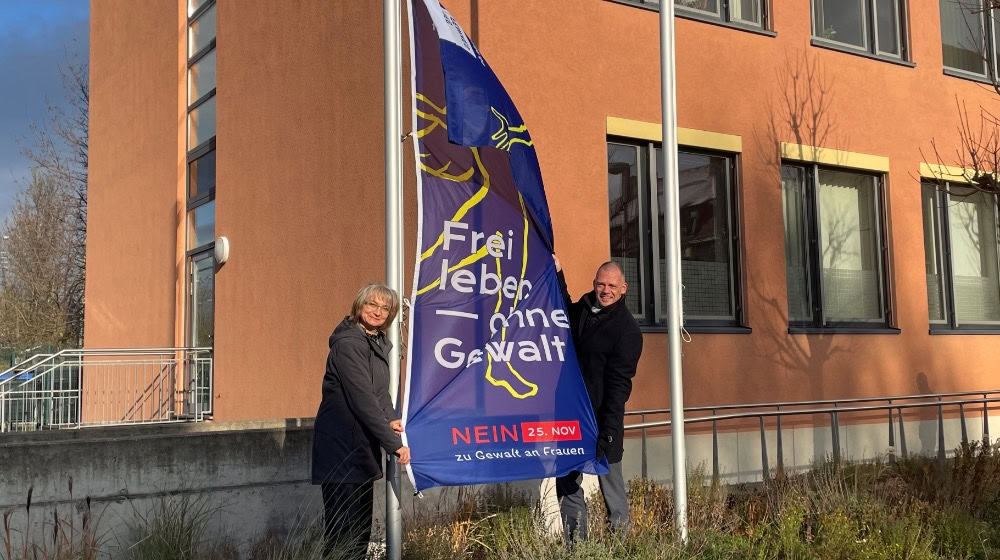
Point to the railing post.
(892, 437)
(48, 410)
(781, 450)
(78, 391)
(961, 418)
(715, 449)
(765, 470)
(986, 421)
(835, 435)
(644, 472)
(902, 433)
(941, 452)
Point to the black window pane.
(888, 26)
(710, 6)
(203, 301)
(932, 253)
(201, 176)
(193, 6)
(704, 193)
(746, 11)
(796, 243)
(201, 31)
(201, 77)
(962, 35)
(624, 217)
(201, 123)
(841, 21)
(201, 225)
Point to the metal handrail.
(834, 411)
(83, 352)
(806, 403)
(779, 413)
(144, 386)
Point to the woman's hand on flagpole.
(397, 426)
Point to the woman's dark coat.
(354, 415)
(608, 345)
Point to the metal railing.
(89, 387)
(833, 408)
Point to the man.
(608, 344)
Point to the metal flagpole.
(393, 247)
(668, 103)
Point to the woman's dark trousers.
(347, 511)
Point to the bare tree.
(46, 234)
(40, 302)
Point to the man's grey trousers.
(573, 504)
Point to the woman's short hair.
(379, 293)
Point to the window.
(739, 13)
(834, 247)
(201, 120)
(960, 250)
(201, 226)
(709, 266)
(743, 12)
(874, 26)
(969, 32)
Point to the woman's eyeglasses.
(374, 305)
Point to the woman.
(355, 419)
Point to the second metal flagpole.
(668, 104)
(393, 247)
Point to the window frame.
(195, 255)
(991, 62)
(202, 393)
(943, 253)
(194, 155)
(811, 212)
(725, 15)
(653, 319)
(194, 58)
(724, 18)
(870, 33)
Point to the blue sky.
(36, 37)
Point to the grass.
(66, 536)
(915, 509)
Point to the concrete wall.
(252, 477)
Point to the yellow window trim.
(950, 173)
(829, 156)
(685, 136)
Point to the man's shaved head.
(611, 266)
(609, 283)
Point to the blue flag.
(493, 389)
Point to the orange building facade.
(816, 266)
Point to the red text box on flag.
(565, 430)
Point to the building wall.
(300, 197)
(134, 174)
(300, 182)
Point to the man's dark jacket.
(354, 415)
(608, 345)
